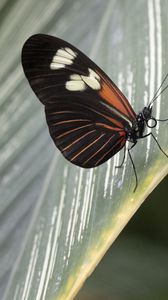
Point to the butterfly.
(88, 117)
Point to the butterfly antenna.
(159, 95)
(156, 95)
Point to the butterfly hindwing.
(86, 113)
(81, 140)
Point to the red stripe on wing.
(112, 95)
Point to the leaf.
(132, 269)
(73, 215)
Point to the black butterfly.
(89, 118)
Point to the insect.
(89, 118)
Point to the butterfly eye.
(151, 123)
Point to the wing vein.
(88, 146)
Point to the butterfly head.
(150, 121)
(143, 119)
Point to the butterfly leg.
(123, 159)
(159, 145)
(136, 177)
(156, 143)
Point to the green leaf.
(132, 269)
(58, 220)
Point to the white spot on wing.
(94, 74)
(55, 66)
(80, 82)
(63, 57)
(75, 85)
(75, 77)
(63, 60)
(92, 82)
(71, 51)
(64, 53)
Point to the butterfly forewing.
(85, 111)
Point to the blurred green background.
(136, 266)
